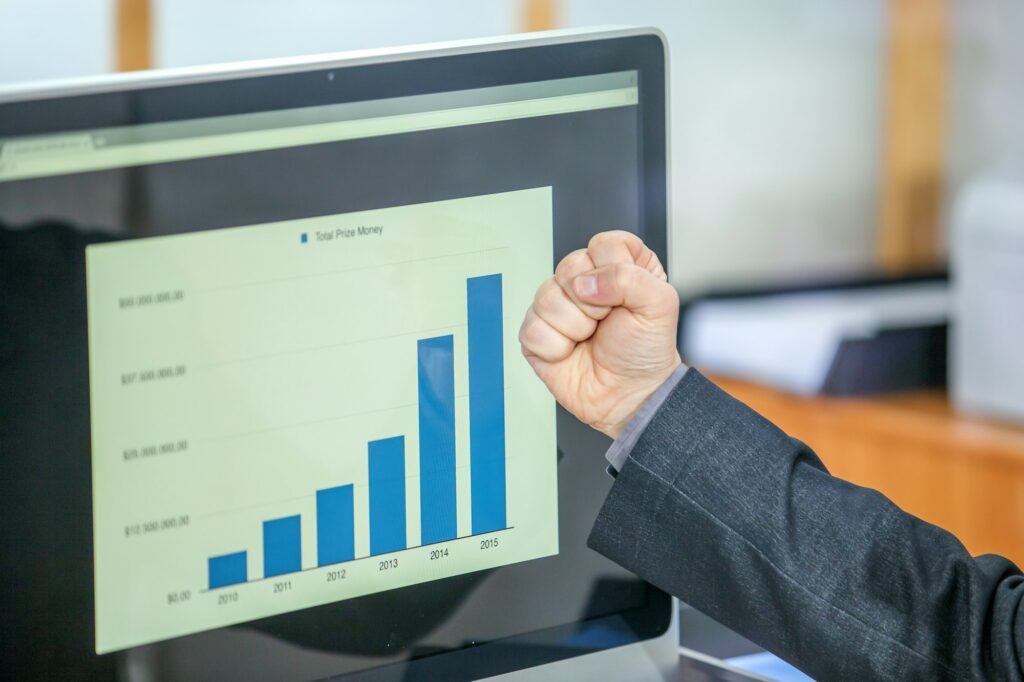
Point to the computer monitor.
(263, 413)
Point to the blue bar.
(335, 526)
(282, 546)
(486, 403)
(227, 569)
(437, 439)
(387, 495)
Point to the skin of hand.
(601, 333)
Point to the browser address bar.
(78, 160)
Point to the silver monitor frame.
(651, 659)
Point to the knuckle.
(526, 332)
(572, 264)
(607, 237)
(598, 239)
(648, 259)
(548, 294)
(534, 334)
(655, 267)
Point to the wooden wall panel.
(914, 133)
(134, 31)
(540, 15)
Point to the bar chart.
(348, 404)
(335, 513)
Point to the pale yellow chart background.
(286, 359)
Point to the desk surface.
(963, 473)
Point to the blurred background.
(847, 185)
(808, 139)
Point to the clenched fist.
(601, 333)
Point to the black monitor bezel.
(312, 83)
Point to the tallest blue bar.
(486, 403)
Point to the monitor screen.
(264, 410)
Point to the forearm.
(719, 507)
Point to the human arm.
(719, 507)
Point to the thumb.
(627, 285)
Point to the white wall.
(45, 39)
(776, 116)
(190, 32)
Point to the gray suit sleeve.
(720, 508)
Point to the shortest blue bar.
(227, 569)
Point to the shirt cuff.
(627, 440)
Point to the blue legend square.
(304, 238)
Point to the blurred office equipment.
(988, 276)
(845, 339)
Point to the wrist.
(634, 399)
